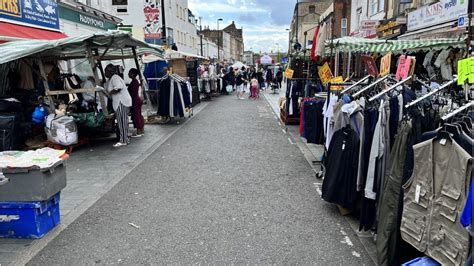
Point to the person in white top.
(121, 102)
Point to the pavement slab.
(229, 187)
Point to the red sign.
(403, 68)
(370, 65)
(153, 25)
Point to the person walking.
(134, 91)
(245, 75)
(279, 77)
(239, 82)
(268, 78)
(253, 88)
(261, 80)
(121, 102)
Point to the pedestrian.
(254, 88)
(246, 78)
(134, 90)
(121, 102)
(239, 82)
(279, 77)
(261, 80)
(268, 78)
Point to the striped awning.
(354, 44)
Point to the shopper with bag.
(121, 102)
(137, 102)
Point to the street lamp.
(219, 39)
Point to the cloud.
(263, 21)
(247, 18)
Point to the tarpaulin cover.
(109, 44)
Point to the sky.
(263, 21)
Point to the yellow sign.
(325, 74)
(385, 64)
(466, 71)
(10, 7)
(289, 73)
(337, 79)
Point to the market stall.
(393, 136)
(61, 77)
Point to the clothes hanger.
(468, 121)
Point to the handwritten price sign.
(385, 64)
(325, 74)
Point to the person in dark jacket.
(261, 80)
(136, 111)
(279, 77)
(268, 78)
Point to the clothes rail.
(459, 110)
(370, 86)
(355, 84)
(389, 89)
(422, 83)
(431, 93)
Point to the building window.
(119, 2)
(343, 27)
(312, 9)
(122, 10)
(358, 15)
(376, 6)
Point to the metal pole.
(297, 17)
(163, 33)
(200, 34)
(304, 45)
(469, 26)
(218, 42)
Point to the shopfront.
(390, 29)
(438, 20)
(76, 21)
(19, 20)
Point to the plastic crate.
(29, 219)
(422, 261)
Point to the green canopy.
(353, 44)
(110, 45)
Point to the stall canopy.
(354, 44)
(109, 45)
(239, 65)
(266, 60)
(169, 55)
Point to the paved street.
(228, 187)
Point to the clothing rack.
(422, 83)
(459, 110)
(370, 86)
(355, 84)
(389, 89)
(431, 93)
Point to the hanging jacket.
(433, 201)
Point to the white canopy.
(239, 65)
(266, 60)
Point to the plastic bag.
(61, 130)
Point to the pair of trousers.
(121, 114)
(388, 239)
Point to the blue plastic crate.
(422, 261)
(29, 219)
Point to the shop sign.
(37, 13)
(289, 73)
(82, 18)
(153, 26)
(385, 64)
(404, 67)
(437, 13)
(370, 65)
(325, 74)
(466, 71)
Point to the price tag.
(417, 193)
(443, 142)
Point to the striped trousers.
(122, 122)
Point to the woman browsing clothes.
(136, 112)
(121, 102)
